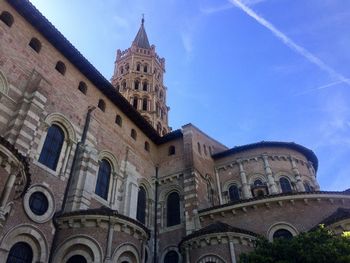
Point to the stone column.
(114, 191)
(232, 251)
(313, 176)
(300, 185)
(218, 183)
(8, 187)
(245, 186)
(187, 260)
(271, 181)
(69, 144)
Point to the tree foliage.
(318, 246)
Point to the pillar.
(271, 181)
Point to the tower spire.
(141, 39)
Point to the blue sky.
(243, 71)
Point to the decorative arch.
(169, 249)
(120, 253)
(62, 121)
(281, 225)
(30, 235)
(211, 258)
(83, 245)
(110, 157)
(3, 84)
(254, 177)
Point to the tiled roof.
(273, 196)
(141, 39)
(217, 227)
(102, 211)
(310, 155)
(340, 214)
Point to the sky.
(243, 71)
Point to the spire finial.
(143, 19)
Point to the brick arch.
(83, 245)
(211, 258)
(62, 121)
(120, 253)
(110, 157)
(30, 235)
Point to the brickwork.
(79, 220)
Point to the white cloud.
(290, 43)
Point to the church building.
(91, 171)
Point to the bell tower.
(138, 76)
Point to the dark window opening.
(135, 102)
(258, 182)
(171, 257)
(145, 86)
(118, 120)
(141, 205)
(282, 233)
(102, 183)
(173, 209)
(35, 44)
(52, 147)
(171, 150)
(21, 252)
(82, 87)
(101, 105)
(138, 67)
(38, 203)
(133, 134)
(121, 70)
(147, 147)
(285, 185)
(233, 193)
(145, 69)
(61, 67)
(199, 148)
(7, 18)
(136, 85)
(144, 104)
(77, 259)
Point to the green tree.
(318, 246)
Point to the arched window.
(121, 70)
(199, 148)
(82, 87)
(102, 183)
(258, 182)
(21, 252)
(171, 150)
(77, 259)
(138, 67)
(145, 68)
(127, 67)
(7, 18)
(173, 209)
(171, 257)
(101, 105)
(136, 84)
(61, 67)
(233, 193)
(147, 146)
(124, 85)
(35, 44)
(160, 94)
(133, 134)
(210, 151)
(145, 86)
(308, 187)
(135, 102)
(144, 104)
(282, 233)
(52, 147)
(285, 185)
(205, 150)
(118, 120)
(141, 205)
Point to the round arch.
(83, 245)
(211, 258)
(125, 252)
(30, 235)
(168, 249)
(62, 121)
(278, 226)
(104, 154)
